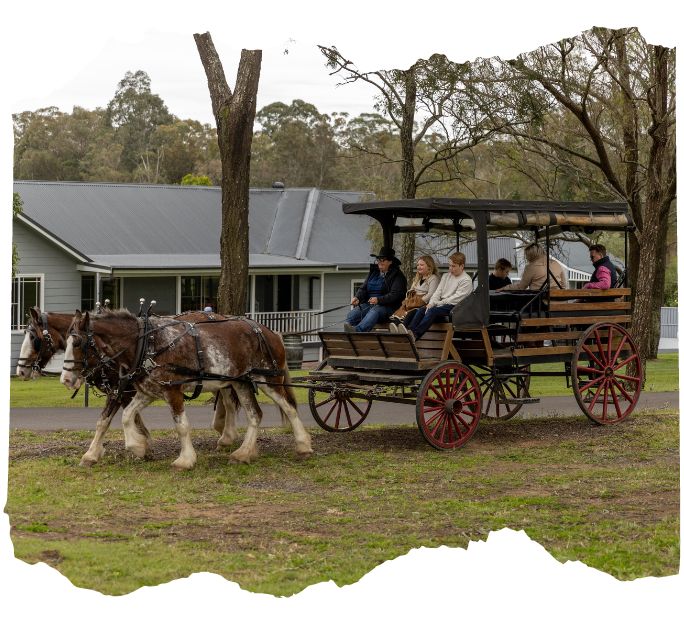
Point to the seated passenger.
(423, 287)
(499, 277)
(454, 286)
(380, 295)
(534, 274)
(604, 276)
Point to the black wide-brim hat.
(385, 253)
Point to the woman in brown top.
(534, 275)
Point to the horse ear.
(35, 313)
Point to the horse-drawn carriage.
(482, 361)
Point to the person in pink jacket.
(604, 276)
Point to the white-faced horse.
(163, 357)
(46, 335)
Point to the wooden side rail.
(574, 320)
(590, 294)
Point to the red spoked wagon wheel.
(607, 374)
(449, 405)
(498, 388)
(335, 409)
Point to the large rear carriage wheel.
(607, 374)
(449, 405)
(334, 408)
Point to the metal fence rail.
(299, 321)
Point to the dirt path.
(49, 419)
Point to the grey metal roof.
(198, 261)
(141, 225)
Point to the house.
(80, 243)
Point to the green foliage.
(195, 180)
(16, 209)
(671, 285)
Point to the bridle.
(43, 345)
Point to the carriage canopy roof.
(498, 213)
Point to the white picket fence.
(298, 321)
(669, 320)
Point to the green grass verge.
(661, 375)
(47, 391)
(608, 496)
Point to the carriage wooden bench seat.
(383, 350)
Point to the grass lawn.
(661, 375)
(608, 496)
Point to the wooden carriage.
(481, 362)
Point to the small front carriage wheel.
(449, 405)
(499, 388)
(336, 409)
(607, 374)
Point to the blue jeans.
(365, 316)
(424, 318)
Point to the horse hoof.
(304, 455)
(182, 466)
(87, 462)
(242, 458)
(140, 452)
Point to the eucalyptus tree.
(426, 105)
(234, 113)
(601, 106)
(135, 113)
(294, 144)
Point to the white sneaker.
(401, 329)
(393, 328)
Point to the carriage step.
(528, 400)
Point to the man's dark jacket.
(393, 289)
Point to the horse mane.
(110, 314)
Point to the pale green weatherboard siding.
(61, 282)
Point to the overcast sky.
(70, 53)
(67, 58)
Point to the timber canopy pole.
(234, 113)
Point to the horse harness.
(40, 343)
(145, 360)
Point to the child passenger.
(499, 277)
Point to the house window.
(111, 289)
(26, 292)
(88, 292)
(198, 291)
(355, 285)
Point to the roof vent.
(278, 184)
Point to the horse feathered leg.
(288, 407)
(187, 457)
(248, 450)
(229, 404)
(136, 441)
(96, 449)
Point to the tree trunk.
(234, 113)
(408, 173)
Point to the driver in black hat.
(380, 295)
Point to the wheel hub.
(453, 406)
(608, 372)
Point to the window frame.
(40, 279)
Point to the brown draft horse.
(46, 335)
(165, 357)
